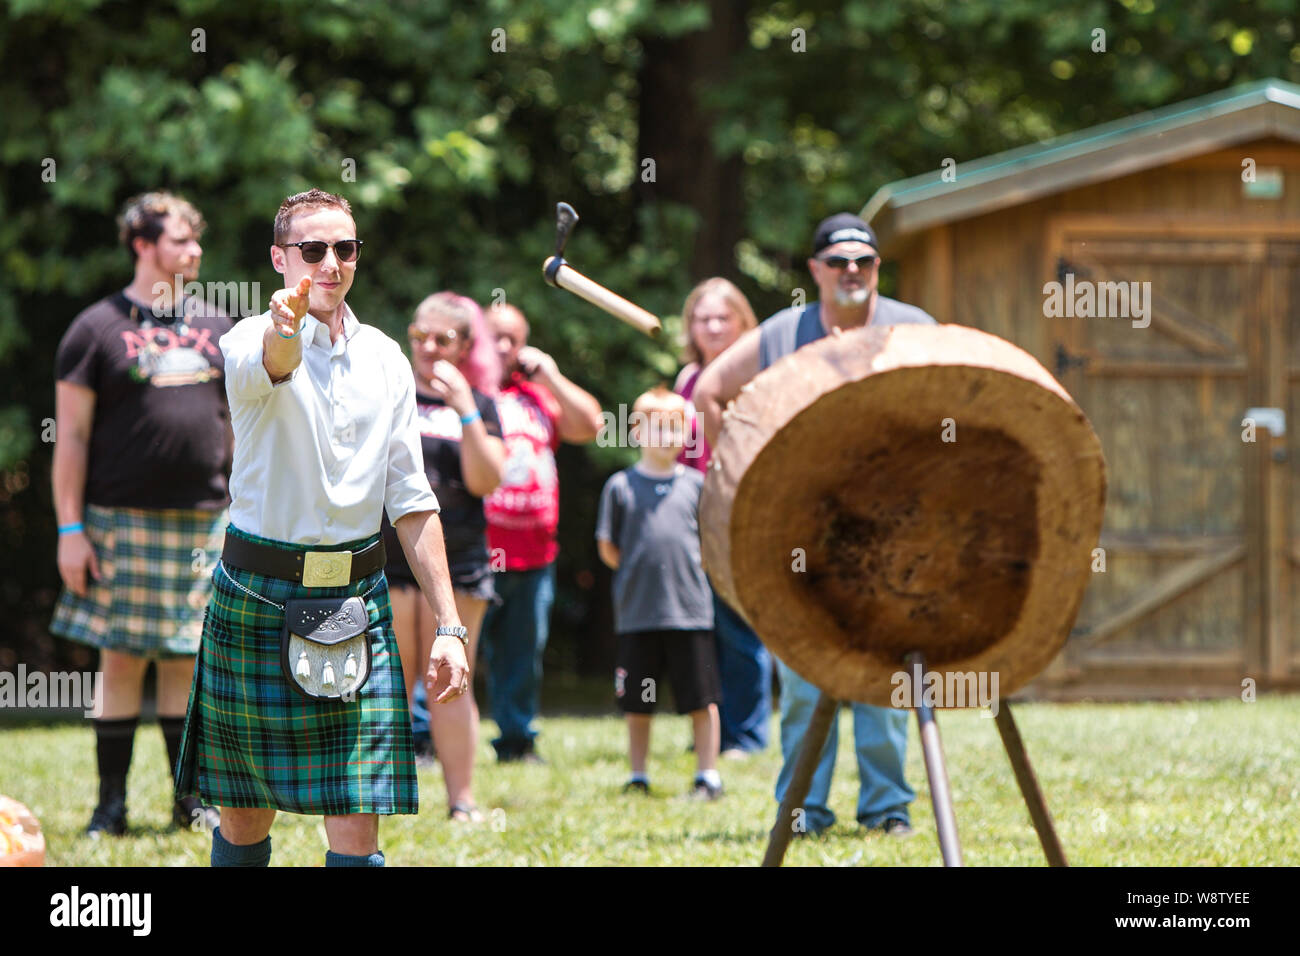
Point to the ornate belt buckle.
(326, 569)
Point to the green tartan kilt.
(253, 741)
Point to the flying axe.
(560, 273)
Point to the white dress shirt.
(319, 454)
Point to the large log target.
(839, 522)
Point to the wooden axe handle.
(570, 279)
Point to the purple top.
(696, 453)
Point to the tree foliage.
(465, 124)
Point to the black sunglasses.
(842, 262)
(313, 250)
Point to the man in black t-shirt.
(141, 463)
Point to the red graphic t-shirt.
(524, 511)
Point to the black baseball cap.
(842, 227)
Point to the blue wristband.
(71, 528)
(471, 417)
(283, 336)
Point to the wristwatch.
(458, 631)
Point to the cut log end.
(932, 552)
(935, 491)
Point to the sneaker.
(187, 811)
(108, 818)
(425, 758)
(703, 790)
(638, 787)
(898, 828)
(526, 756)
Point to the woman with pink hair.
(456, 373)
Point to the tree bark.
(676, 131)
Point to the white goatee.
(852, 297)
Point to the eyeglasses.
(842, 262)
(313, 250)
(443, 339)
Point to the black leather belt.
(313, 569)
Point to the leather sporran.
(325, 647)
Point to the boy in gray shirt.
(648, 532)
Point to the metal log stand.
(935, 771)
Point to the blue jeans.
(745, 668)
(513, 639)
(419, 711)
(880, 738)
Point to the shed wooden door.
(1282, 302)
(1201, 542)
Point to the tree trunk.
(676, 131)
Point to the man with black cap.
(845, 265)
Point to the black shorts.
(689, 657)
(469, 577)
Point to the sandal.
(465, 813)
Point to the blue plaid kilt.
(253, 741)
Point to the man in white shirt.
(323, 410)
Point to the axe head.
(565, 219)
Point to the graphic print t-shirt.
(159, 437)
(464, 527)
(524, 511)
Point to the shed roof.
(1268, 108)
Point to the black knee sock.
(114, 741)
(171, 731)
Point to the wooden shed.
(1173, 240)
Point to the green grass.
(1182, 784)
